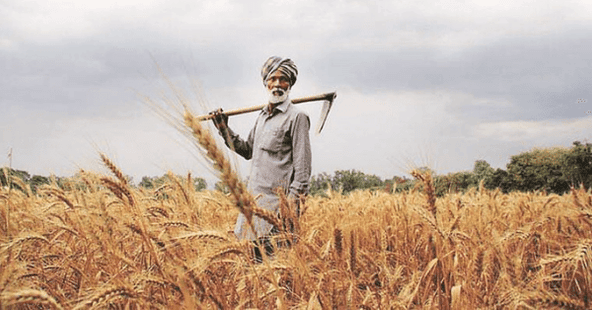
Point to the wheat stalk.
(114, 169)
(426, 178)
(107, 295)
(203, 235)
(338, 241)
(244, 201)
(28, 296)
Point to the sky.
(419, 83)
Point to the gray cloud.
(542, 77)
(413, 78)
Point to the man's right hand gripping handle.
(220, 120)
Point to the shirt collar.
(282, 107)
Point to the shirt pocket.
(274, 141)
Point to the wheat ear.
(428, 181)
(203, 235)
(244, 201)
(28, 296)
(559, 301)
(106, 295)
(338, 240)
(268, 216)
(352, 252)
(178, 183)
(119, 190)
(114, 169)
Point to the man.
(278, 145)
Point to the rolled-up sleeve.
(242, 147)
(301, 154)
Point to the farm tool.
(326, 98)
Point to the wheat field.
(99, 243)
(102, 244)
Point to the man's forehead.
(278, 73)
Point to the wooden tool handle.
(326, 96)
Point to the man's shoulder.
(296, 111)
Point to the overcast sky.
(419, 83)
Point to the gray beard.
(278, 98)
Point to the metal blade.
(324, 113)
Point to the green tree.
(7, 174)
(502, 180)
(350, 180)
(320, 183)
(37, 181)
(199, 184)
(577, 164)
(344, 180)
(221, 186)
(152, 182)
(482, 171)
(398, 183)
(453, 182)
(539, 169)
(156, 182)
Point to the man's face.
(278, 86)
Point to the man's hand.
(220, 120)
(296, 201)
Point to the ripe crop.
(98, 242)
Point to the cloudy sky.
(436, 83)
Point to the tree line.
(18, 178)
(551, 170)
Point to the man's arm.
(242, 147)
(301, 155)
(232, 140)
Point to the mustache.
(277, 91)
(278, 94)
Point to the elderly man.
(278, 145)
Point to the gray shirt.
(279, 147)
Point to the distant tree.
(221, 186)
(156, 182)
(344, 180)
(539, 169)
(37, 181)
(482, 171)
(7, 174)
(147, 182)
(397, 183)
(349, 180)
(129, 179)
(577, 164)
(199, 184)
(453, 182)
(320, 183)
(502, 180)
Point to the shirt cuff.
(298, 188)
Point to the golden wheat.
(112, 245)
(28, 296)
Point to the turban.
(285, 65)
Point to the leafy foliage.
(577, 164)
(539, 169)
(156, 182)
(345, 181)
(7, 176)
